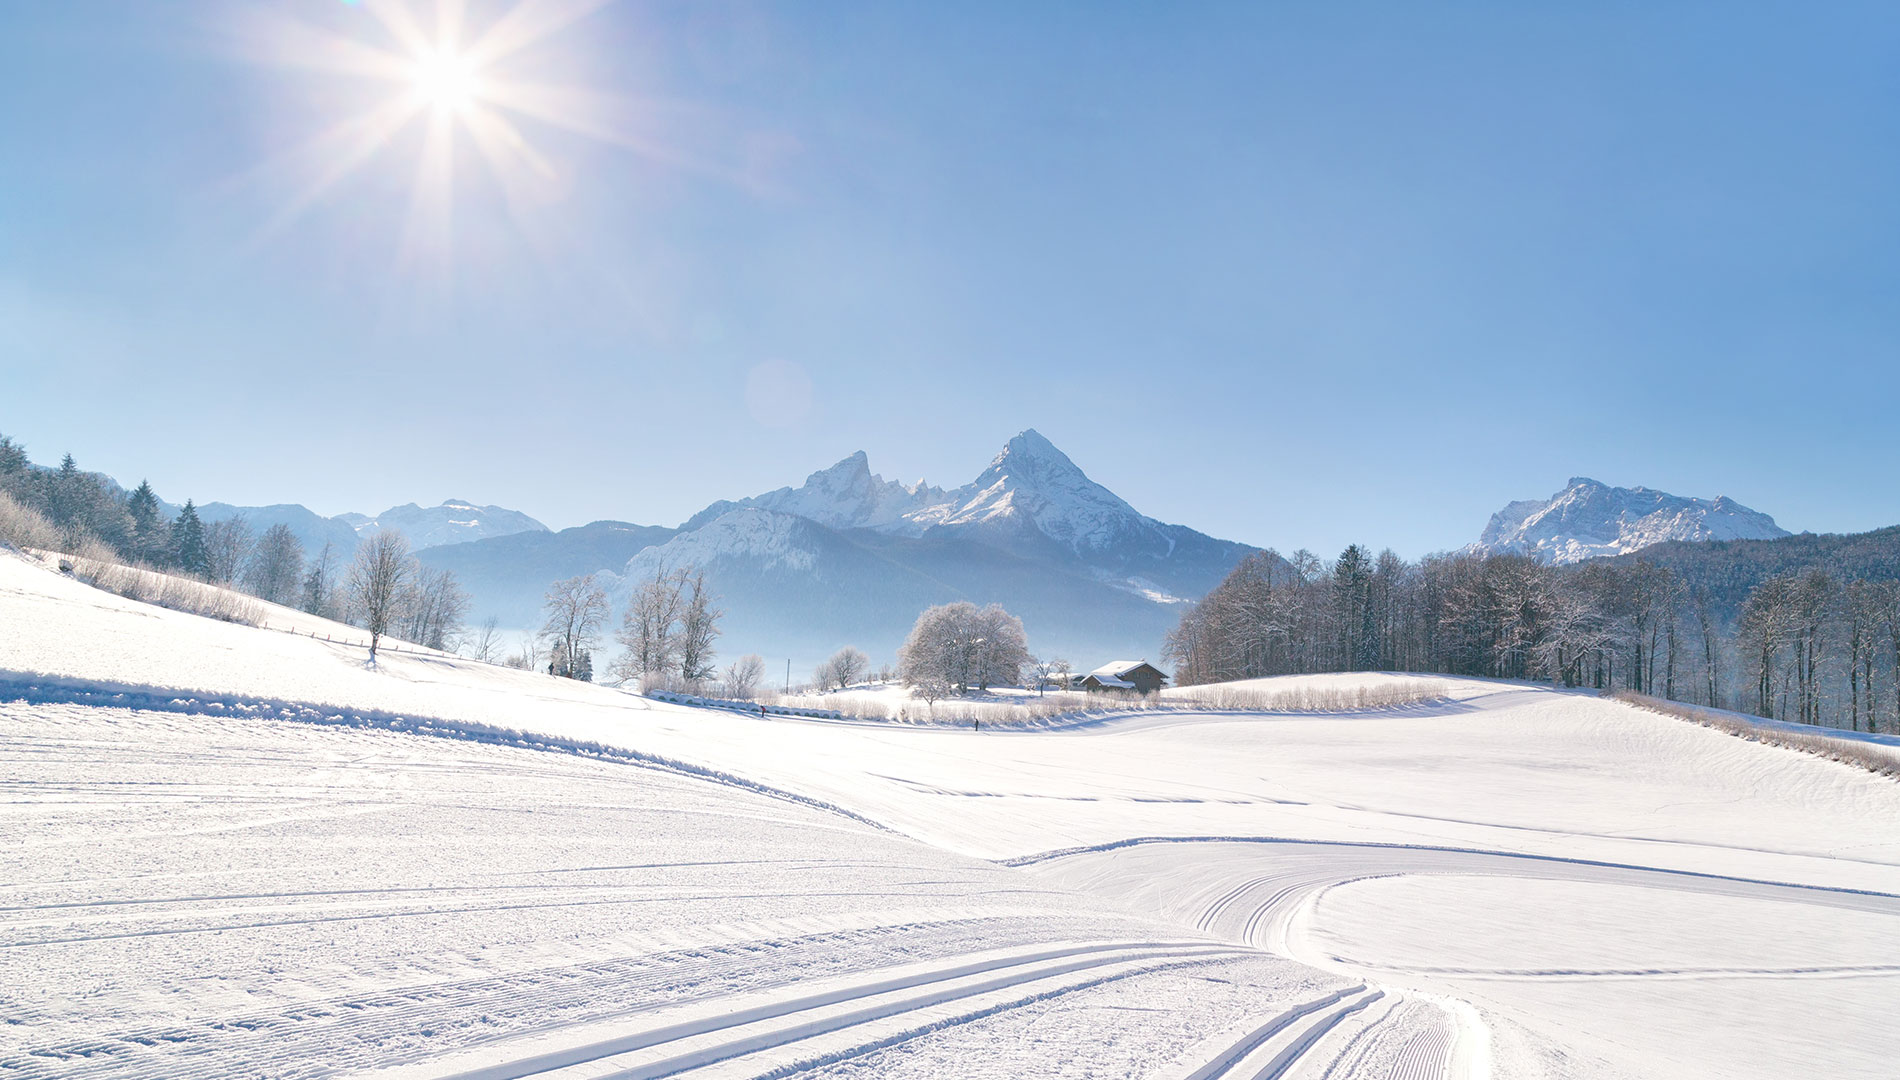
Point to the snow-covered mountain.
(454, 522)
(1589, 518)
(771, 540)
(1032, 501)
(846, 496)
(850, 558)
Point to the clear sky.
(1297, 274)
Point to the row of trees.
(383, 589)
(78, 509)
(1806, 646)
(666, 634)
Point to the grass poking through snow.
(1875, 758)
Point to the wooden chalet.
(1124, 677)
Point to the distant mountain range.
(453, 522)
(849, 558)
(1589, 519)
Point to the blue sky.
(1293, 274)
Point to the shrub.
(95, 564)
(1305, 698)
(23, 527)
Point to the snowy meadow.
(235, 851)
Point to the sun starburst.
(457, 86)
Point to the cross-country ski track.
(233, 852)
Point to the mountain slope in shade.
(791, 587)
(1589, 519)
(310, 528)
(508, 576)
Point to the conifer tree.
(15, 470)
(189, 553)
(63, 505)
(149, 533)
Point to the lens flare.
(461, 85)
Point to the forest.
(1803, 628)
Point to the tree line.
(1817, 645)
(381, 588)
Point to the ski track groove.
(714, 970)
(1294, 1054)
(1223, 1065)
(1426, 1055)
(683, 1045)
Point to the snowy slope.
(1588, 519)
(197, 890)
(1509, 882)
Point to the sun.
(431, 73)
(446, 80)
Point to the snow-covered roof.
(1117, 669)
(1111, 681)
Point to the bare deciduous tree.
(276, 567)
(435, 608)
(485, 644)
(228, 545)
(742, 676)
(1054, 669)
(846, 666)
(648, 634)
(379, 580)
(698, 627)
(576, 610)
(528, 657)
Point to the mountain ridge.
(1032, 527)
(1590, 519)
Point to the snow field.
(1509, 880)
(193, 898)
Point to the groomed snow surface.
(238, 852)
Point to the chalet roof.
(1119, 669)
(1111, 681)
